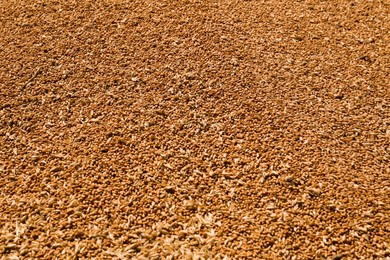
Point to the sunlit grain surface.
(195, 129)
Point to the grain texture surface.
(194, 129)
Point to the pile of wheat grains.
(194, 129)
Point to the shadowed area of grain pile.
(195, 129)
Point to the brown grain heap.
(194, 129)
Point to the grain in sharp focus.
(194, 129)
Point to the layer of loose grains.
(203, 129)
